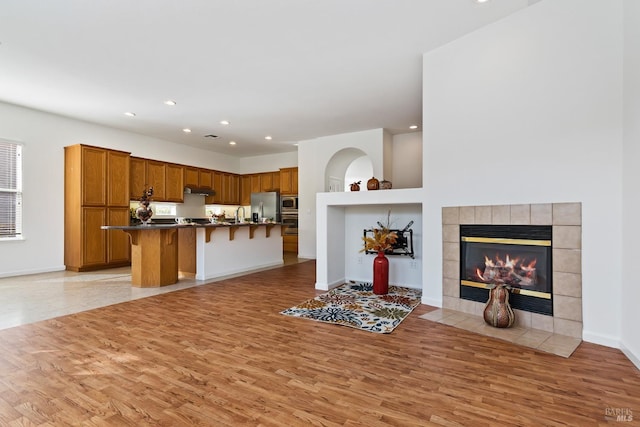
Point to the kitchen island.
(161, 253)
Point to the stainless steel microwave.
(289, 203)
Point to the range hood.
(198, 190)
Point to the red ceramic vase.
(380, 274)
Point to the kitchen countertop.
(153, 226)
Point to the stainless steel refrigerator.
(266, 205)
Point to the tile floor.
(548, 342)
(31, 298)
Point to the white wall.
(267, 163)
(403, 270)
(407, 160)
(313, 157)
(529, 110)
(360, 170)
(44, 136)
(631, 180)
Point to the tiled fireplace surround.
(566, 222)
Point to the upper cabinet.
(167, 180)
(275, 180)
(138, 177)
(289, 181)
(256, 182)
(118, 178)
(156, 175)
(266, 182)
(206, 178)
(245, 190)
(191, 177)
(174, 183)
(93, 164)
(217, 197)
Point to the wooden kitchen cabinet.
(191, 177)
(93, 164)
(96, 193)
(217, 197)
(230, 187)
(289, 181)
(275, 179)
(156, 176)
(290, 243)
(256, 182)
(118, 248)
(137, 177)
(206, 178)
(174, 183)
(245, 190)
(235, 189)
(266, 182)
(117, 184)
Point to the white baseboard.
(330, 285)
(632, 357)
(307, 256)
(600, 339)
(27, 272)
(432, 302)
(239, 271)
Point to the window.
(158, 209)
(10, 190)
(164, 209)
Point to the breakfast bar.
(162, 253)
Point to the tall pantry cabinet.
(96, 193)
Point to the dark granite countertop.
(156, 226)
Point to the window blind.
(10, 189)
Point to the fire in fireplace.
(518, 255)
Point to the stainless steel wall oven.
(289, 214)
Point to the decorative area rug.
(355, 305)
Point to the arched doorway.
(345, 167)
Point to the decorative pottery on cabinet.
(373, 184)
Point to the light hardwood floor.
(222, 355)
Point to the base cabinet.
(290, 243)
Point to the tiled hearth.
(566, 222)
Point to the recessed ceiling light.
(481, 1)
(225, 122)
(413, 127)
(232, 143)
(268, 138)
(295, 143)
(169, 102)
(130, 114)
(186, 130)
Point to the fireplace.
(518, 255)
(564, 316)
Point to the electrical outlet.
(359, 260)
(413, 265)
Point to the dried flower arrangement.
(383, 238)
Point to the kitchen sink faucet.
(241, 218)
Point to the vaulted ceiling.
(289, 69)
